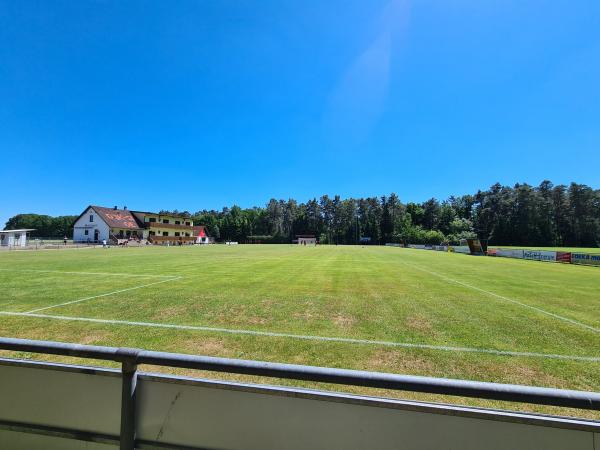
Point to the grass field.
(373, 308)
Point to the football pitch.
(369, 308)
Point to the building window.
(187, 223)
(165, 233)
(187, 234)
(177, 222)
(152, 219)
(86, 232)
(91, 217)
(177, 233)
(165, 220)
(152, 233)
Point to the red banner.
(563, 257)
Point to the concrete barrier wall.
(190, 413)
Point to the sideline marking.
(593, 359)
(501, 297)
(125, 275)
(101, 295)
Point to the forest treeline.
(546, 215)
(44, 226)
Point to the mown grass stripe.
(409, 345)
(124, 275)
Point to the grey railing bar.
(443, 386)
(128, 397)
(64, 349)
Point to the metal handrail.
(130, 358)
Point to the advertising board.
(588, 259)
(539, 255)
(510, 253)
(563, 257)
(461, 249)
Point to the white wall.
(11, 240)
(84, 224)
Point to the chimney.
(115, 207)
(124, 208)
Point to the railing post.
(128, 397)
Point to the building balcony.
(172, 239)
(170, 226)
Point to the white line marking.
(125, 275)
(501, 297)
(101, 295)
(593, 359)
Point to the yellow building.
(98, 223)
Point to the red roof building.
(98, 223)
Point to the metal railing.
(130, 358)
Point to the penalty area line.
(407, 345)
(501, 297)
(101, 295)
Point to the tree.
(545, 215)
(43, 226)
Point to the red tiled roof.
(200, 231)
(118, 218)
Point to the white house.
(97, 223)
(14, 238)
(90, 226)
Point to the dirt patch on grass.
(58, 332)
(254, 320)
(420, 323)
(344, 320)
(517, 372)
(170, 312)
(306, 311)
(95, 337)
(239, 315)
(205, 346)
(304, 315)
(386, 360)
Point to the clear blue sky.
(192, 105)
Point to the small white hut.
(14, 238)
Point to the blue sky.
(193, 105)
